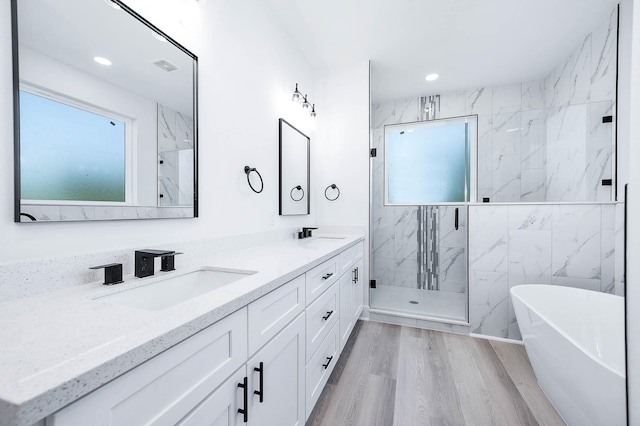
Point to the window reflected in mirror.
(70, 153)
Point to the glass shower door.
(420, 188)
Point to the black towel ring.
(248, 170)
(332, 186)
(33, 219)
(299, 188)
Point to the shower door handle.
(456, 220)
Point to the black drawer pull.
(326, 317)
(329, 358)
(245, 411)
(261, 391)
(329, 275)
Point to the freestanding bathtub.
(575, 341)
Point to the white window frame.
(129, 156)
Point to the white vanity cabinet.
(221, 407)
(351, 290)
(269, 388)
(266, 364)
(267, 391)
(277, 381)
(164, 389)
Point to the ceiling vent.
(165, 65)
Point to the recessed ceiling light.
(113, 4)
(159, 37)
(101, 60)
(431, 77)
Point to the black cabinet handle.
(261, 391)
(357, 274)
(354, 277)
(329, 275)
(456, 222)
(245, 411)
(329, 358)
(326, 317)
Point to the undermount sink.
(172, 290)
(331, 237)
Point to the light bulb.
(296, 95)
(313, 111)
(305, 104)
(102, 61)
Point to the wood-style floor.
(402, 376)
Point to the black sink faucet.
(144, 261)
(305, 233)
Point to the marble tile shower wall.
(528, 132)
(577, 245)
(395, 247)
(175, 157)
(568, 245)
(394, 230)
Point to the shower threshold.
(439, 306)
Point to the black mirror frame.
(282, 193)
(16, 109)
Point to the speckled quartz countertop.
(59, 346)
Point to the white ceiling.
(470, 43)
(74, 31)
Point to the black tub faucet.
(144, 261)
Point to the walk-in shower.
(421, 184)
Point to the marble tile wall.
(71, 213)
(527, 135)
(175, 158)
(528, 132)
(394, 230)
(568, 245)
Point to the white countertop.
(59, 346)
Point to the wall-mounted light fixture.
(302, 99)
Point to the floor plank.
(403, 376)
(472, 391)
(510, 408)
(425, 394)
(516, 362)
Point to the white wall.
(340, 152)
(342, 143)
(633, 225)
(248, 67)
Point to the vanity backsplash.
(28, 278)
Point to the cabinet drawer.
(321, 278)
(321, 317)
(162, 390)
(349, 257)
(320, 366)
(221, 407)
(273, 311)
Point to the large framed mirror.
(294, 171)
(105, 115)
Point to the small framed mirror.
(105, 108)
(294, 171)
